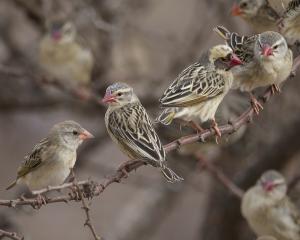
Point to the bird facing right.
(268, 61)
(269, 211)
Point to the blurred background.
(145, 44)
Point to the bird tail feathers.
(170, 175)
(222, 32)
(12, 185)
(166, 117)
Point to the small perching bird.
(51, 160)
(63, 57)
(129, 125)
(199, 89)
(290, 22)
(258, 13)
(269, 211)
(268, 61)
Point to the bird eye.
(275, 47)
(75, 132)
(243, 5)
(120, 94)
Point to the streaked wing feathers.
(133, 129)
(195, 84)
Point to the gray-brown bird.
(258, 13)
(290, 23)
(268, 61)
(63, 57)
(269, 211)
(51, 160)
(199, 89)
(129, 126)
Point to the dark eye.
(120, 94)
(243, 5)
(75, 132)
(275, 47)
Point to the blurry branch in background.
(219, 175)
(10, 235)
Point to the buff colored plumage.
(268, 209)
(199, 89)
(62, 56)
(129, 126)
(51, 159)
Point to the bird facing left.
(51, 160)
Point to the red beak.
(236, 10)
(267, 51)
(235, 60)
(56, 35)
(85, 135)
(268, 186)
(108, 98)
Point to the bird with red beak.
(257, 13)
(267, 61)
(268, 210)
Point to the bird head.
(269, 46)
(246, 8)
(119, 94)
(223, 57)
(70, 134)
(273, 184)
(62, 32)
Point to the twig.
(230, 185)
(11, 235)
(85, 207)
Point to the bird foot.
(196, 127)
(275, 89)
(216, 130)
(256, 105)
(40, 201)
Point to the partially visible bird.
(266, 238)
(199, 89)
(267, 58)
(51, 160)
(63, 57)
(290, 23)
(129, 125)
(258, 13)
(269, 211)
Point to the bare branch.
(11, 235)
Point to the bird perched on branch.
(62, 56)
(199, 89)
(258, 13)
(268, 209)
(51, 160)
(129, 125)
(290, 22)
(267, 58)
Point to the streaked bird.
(268, 61)
(268, 209)
(129, 125)
(63, 57)
(199, 89)
(257, 13)
(51, 160)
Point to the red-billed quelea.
(199, 89)
(267, 61)
(258, 13)
(268, 209)
(129, 125)
(51, 160)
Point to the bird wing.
(36, 158)
(133, 129)
(242, 46)
(197, 83)
(293, 6)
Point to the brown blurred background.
(145, 43)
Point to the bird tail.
(222, 32)
(170, 175)
(12, 185)
(166, 117)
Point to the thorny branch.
(11, 235)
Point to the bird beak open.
(108, 98)
(235, 60)
(56, 35)
(268, 186)
(85, 135)
(267, 51)
(236, 10)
